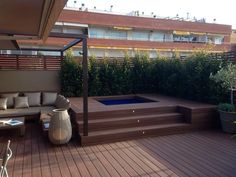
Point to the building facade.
(113, 35)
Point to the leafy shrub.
(226, 107)
(226, 77)
(188, 78)
(71, 76)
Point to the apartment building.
(113, 35)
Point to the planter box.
(227, 119)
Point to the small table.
(45, 125)
(13, 123)
(45, 121)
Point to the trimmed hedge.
(181, 78)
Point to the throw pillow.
(3, 103)
(49, 98)
(21, 102)
(33, 98)
(10, 98)
(62, 102)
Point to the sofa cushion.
(21, 102)
(25, 111)
(33, 98)
(49, 98)
(19, 112)
(3, 103)
(10, 98)
(62, 102)
(47, 109)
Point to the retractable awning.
(184, 33)
(27, 19)
(198, 33)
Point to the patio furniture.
(60, 130)
(49, 101)
(45, 122)
(13, 123)
(7, 155)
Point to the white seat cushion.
(10, 98)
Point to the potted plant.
(226, 76)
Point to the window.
(116, 53)
(165, 54)
(5, 52)
(169, 37)
(97, 33)
(153, 54)
(72, 30)
(219, 39)
(116, 34)
(181, 38)
(142, 36)
(157, 36)
(100, 53)
(57, 29)
(215, 39)
(197, 38)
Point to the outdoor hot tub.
(124, 100)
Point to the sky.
(223, 11)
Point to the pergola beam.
(76, 41)
(68, 35)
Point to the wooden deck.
(205, 153)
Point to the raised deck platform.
(110, 123)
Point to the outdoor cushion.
(21, 102)
(3, 103)
(47, 109)
(49, 98)
(19, 112)
(62, 102)
(25, 111)
(10, 100)
(33, 98)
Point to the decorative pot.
(60, 130)
(227, 121)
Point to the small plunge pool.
(124, 100)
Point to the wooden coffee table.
(20, 125)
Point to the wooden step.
(128, 112)
(134, 121)
(107, 136)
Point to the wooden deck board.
(27, 170)
(206, 153)
(45, 168)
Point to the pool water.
(122, 101)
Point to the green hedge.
(186, 79)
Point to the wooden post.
(17, 62)
(44, 63)
(85, 87)
(62, 55)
